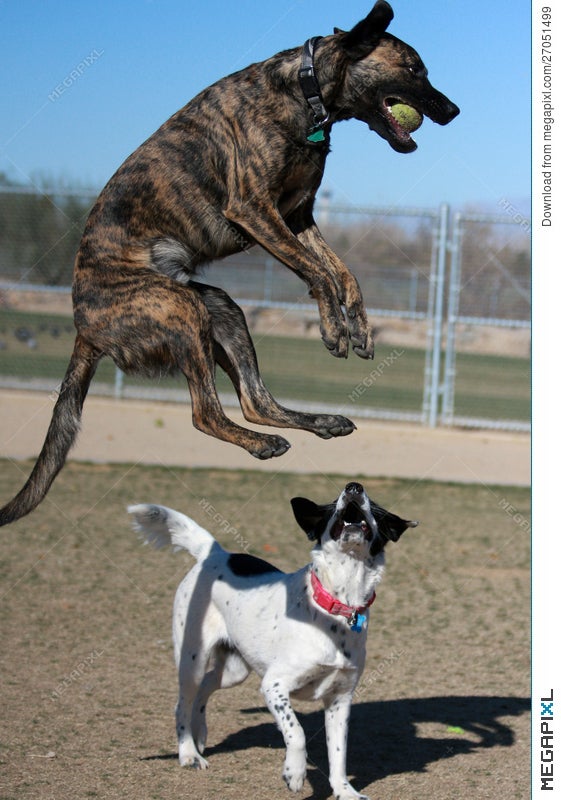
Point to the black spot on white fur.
(245, 566)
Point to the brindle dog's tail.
(64, 427)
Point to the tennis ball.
(407, 117)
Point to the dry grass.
(88, 680)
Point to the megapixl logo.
(546, 742)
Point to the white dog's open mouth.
(351, 523)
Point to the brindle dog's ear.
(365, 35)
(390, 525)
(311, 517)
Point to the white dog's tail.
(161, 526)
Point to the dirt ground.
(88, 681)
(161, 433)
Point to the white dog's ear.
(311, 517)
(390, 525)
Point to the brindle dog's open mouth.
(397, 132)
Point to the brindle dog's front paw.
(337, 343)
(360, 332)
(364, 348)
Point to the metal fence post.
(413, 289)
(448, 391)
(427, 384)
(437, 279)
(118, 385)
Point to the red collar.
(332, 605)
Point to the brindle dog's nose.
(452, 110)
(354, 488)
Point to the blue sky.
(135, 62)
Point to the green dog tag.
(316, 136)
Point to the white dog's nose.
(354, 488)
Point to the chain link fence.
(448, 297)
(489, 298)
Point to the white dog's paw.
(193, 760)
(294, 772)
(294, 782)
(346, 792)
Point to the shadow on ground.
(384, 738)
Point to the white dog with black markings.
(303, 633)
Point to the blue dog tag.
(357, 622)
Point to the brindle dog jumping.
(238, 165)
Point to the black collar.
(312, 92)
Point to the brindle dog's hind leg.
(164, 324)
(208, 414)
(234, 352)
